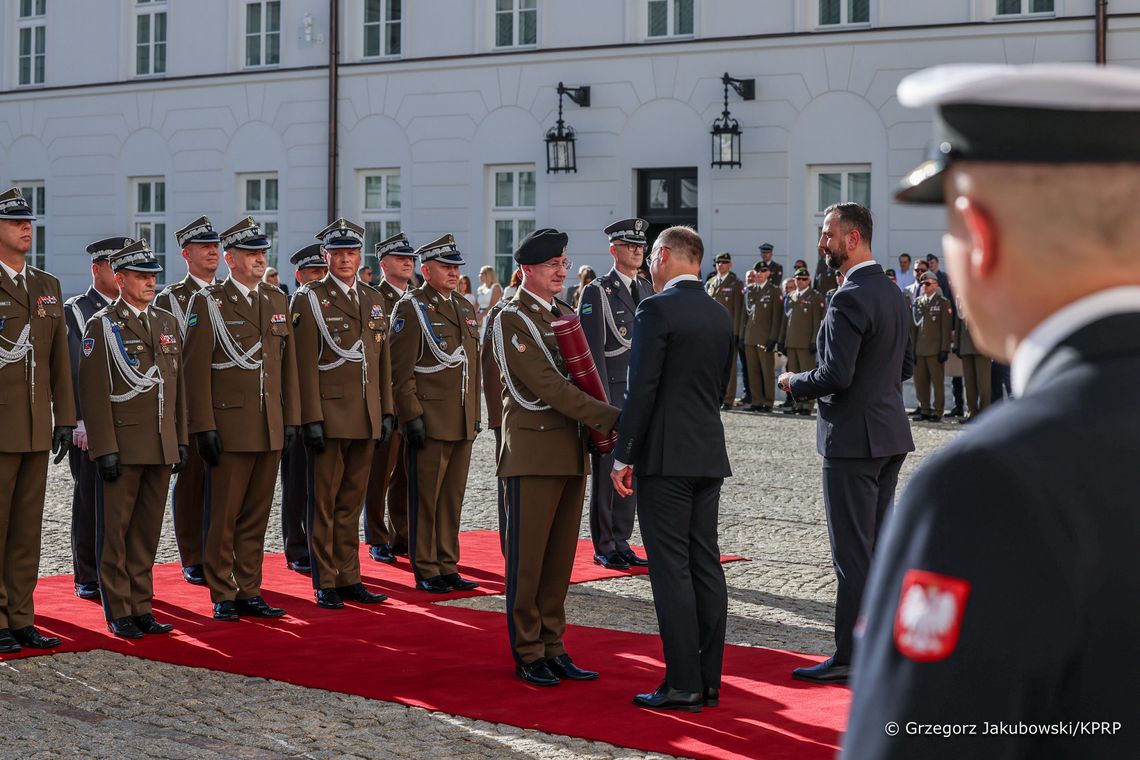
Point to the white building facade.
(136, 116)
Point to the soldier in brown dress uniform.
(35, 374)
(493, 397)
(976, 369)
(345, 372)
(727, 290)
(131, 388)
(933, 318)
(244, 409)
(799, 331)
(764, 316)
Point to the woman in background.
(465, 291)
(487, 296)
(513, 287)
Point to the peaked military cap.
(766, 247)
(762, 267)
(1038, 113)
(137, 257)
(628, 231)
(309, 257)
(342, 234)
(246, 235)
(198, 231)
(397, 245)
(14, 208)
(802, 273)
(443, 250)
(928, 276)
(101, 250)
(541, 245)
(723, 256)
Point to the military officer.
(606, 309)
(775, 268)
(244, 409)
(79, 309)
(799, 331)
(435, 355)
(389, 481)
(199, 243)
(542, 462)
(826, 279)
(345, 372)
(931, 337)
(131, 390)
(764, 316)
(727, 290)
(34, 374)
(493, 397)
(310, 265)
(976, 368)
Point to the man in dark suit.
(863, 433)
(684, 348)
(1005, 600)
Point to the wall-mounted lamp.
(726, 130)
(561, 155)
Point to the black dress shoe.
(458, 583)
(357, 593)
(537, 674)
(611, 561)
(382, 553)
(31, 638)
(918, 416)
(226, 612)
(87, 590)
(8, 643)
(329, 599)
(255, 606)
(666, 698)
(711, 697)
(632, 559)
(399, 549)
(955, 412)
(563, 667)
(434, 585)
(194, 574)
(147, 624)
(825, 672)
(301, 566)
(124, 628)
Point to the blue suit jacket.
(864, 355)
(683, 349)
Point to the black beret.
(541, 245)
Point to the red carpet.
(457, 661)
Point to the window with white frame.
(150, 37)
(1007, 8)
(512, 191)
(258, 193)
(32, 31)
(670, 18)
(380, 208)
(844, 12)
(829, 185)
(262, 33)
(148, 208)
(34, 194)
(516, 23)
(382, 27)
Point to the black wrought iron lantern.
(561, 154)
(726, 130)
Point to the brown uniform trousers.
(27, 413)
(728, 291)
(388, 483)
(931, 336)
(189, 502)
(249, 409)
(350, 402)
(976, 371)
(543, 465)
(130, 508)
(437, 473)
(798, 333)
(764, 312)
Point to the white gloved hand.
(79, 436)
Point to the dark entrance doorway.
(666, 197)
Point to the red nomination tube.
(583, 373)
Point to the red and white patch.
(166, 340)
(277, 319)
(929, 615)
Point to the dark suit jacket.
(80, 308)
(864, 356)
(1034, 509)
(683, 349)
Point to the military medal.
(622, 330)
(443, 345)
(40, 311)
(371, 325)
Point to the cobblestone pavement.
(100, 704)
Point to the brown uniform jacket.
(932, 321)
(175, 298)
(551, 441)
(337, 397)
(230, 400)
(804, 318)
(767, 304)
(28, 416)
(729, 293)
(449, 414)
(492, 382)
(132, 427)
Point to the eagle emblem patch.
(929, 615)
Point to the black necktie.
(633, 291)
(555, 310)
